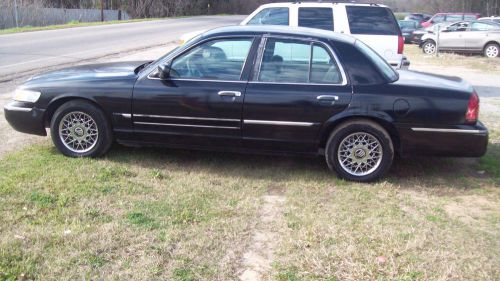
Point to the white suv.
(373, 24)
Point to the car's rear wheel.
(429, 48)
(359, 150)
(491, 50)
(80, 129)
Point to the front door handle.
(229, 94)
(328, 98)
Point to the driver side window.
(216, 60)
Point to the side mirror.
(164, 71)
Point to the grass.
(70, 24)
(469, 61)
(179, 215)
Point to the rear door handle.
(329, 98)
(229, 94)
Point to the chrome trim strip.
(185, 125)
(16, 108)
(126, 115)
(279, 123)
(199, 80)
(186, 117)
(440, 130)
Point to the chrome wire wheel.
(78, 132)
(429, 48)
(360, 154)
(491, 51)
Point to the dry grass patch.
(468, 61)
(141, 214)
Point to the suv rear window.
(321, 18)
(273, 16)
(372, 20)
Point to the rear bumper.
(25, 118)
(453, 141)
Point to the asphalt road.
(25, 53)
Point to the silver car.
(469, 37)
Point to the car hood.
(428, 80)
(104, 71)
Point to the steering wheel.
(192, 69)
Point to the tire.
(350, 146)
(491, 50)
(429, 47)
(80, 129)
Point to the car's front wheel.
(359, 150)
(80, 129)
(429, 47)
(491, 50)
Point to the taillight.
(472, 113)
(401, 44)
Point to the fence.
(48, 16)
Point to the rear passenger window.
(290, 61)
(453, 18)
(324, 69)
(321, 18)
(271, 16)
(481, 26)
(371, 20)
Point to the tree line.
(168, 8)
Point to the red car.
(451, 17)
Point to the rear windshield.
(321, 18)
(385, 69)
(372, 20)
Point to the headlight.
(26, 95)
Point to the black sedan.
(258, 89)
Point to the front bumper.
(452, 141)
(25, 118)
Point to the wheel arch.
(385, 121)
(490, 42)
(54, 104)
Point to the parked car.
(450, 17)
(418, 17)
(372, 23)
(469, 37)
(493, 19)
(258, 89)
(416, 36)
(407, 29)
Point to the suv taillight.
(401, 44)
(472, 109)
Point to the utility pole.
(15, 13)
(102, 10)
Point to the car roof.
(303, 32)
(318, 4)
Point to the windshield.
(385, 69)
(176, 48)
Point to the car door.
(200, 103)
(452, 38)
(296, 86)
(478, 35)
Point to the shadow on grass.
(426, 172)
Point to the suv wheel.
(80, 129)
(429, 48)
(359, 150)
(491, 50)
